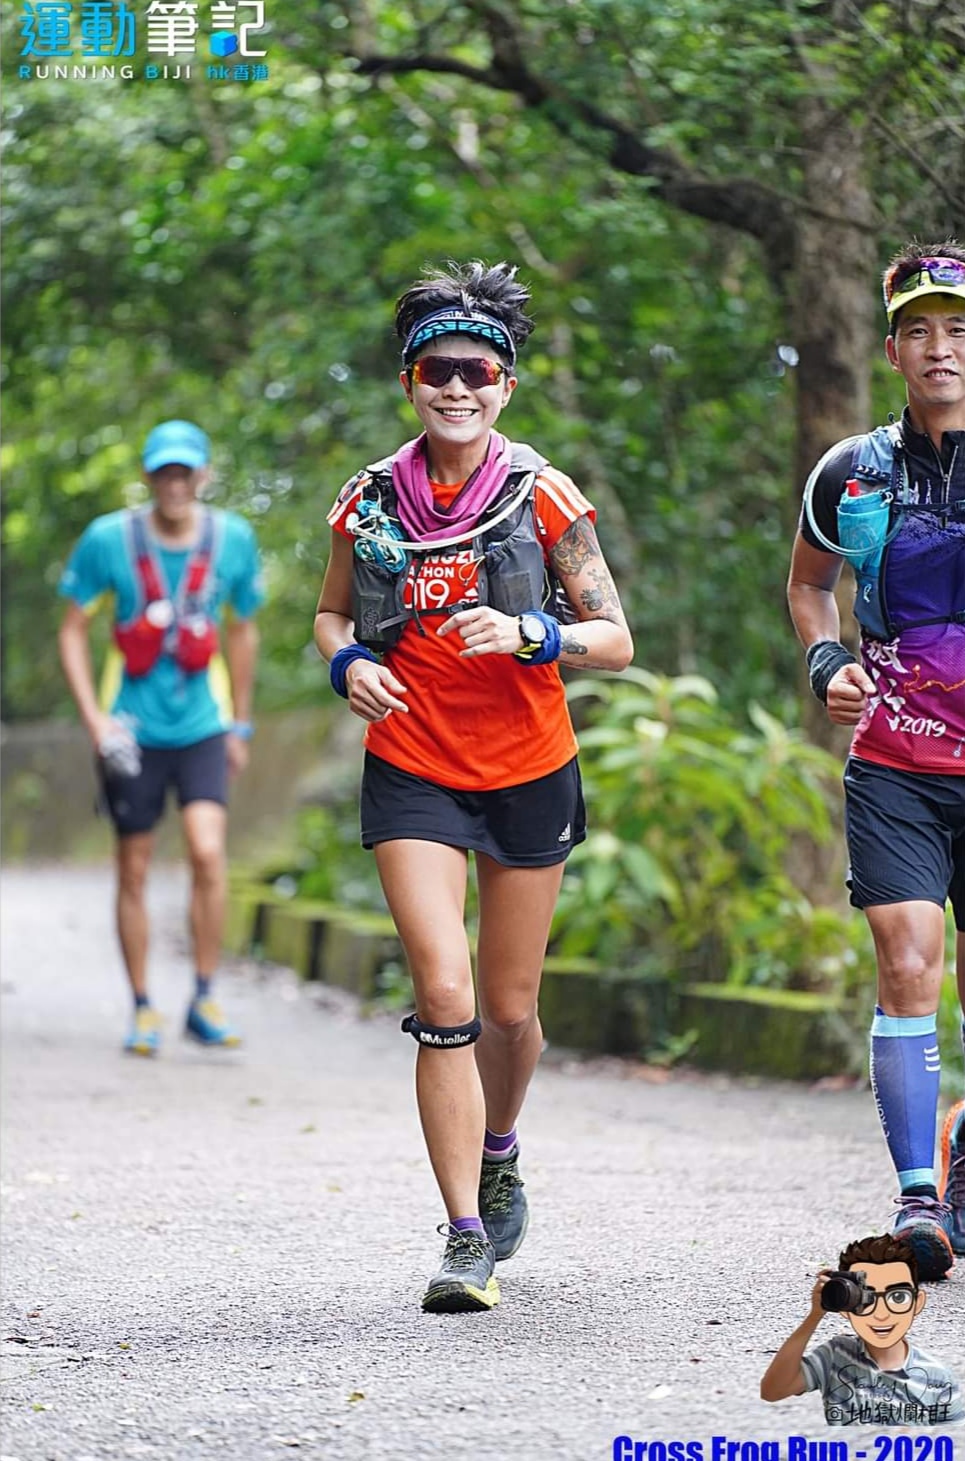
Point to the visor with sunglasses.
(903, 283)
(437, 370)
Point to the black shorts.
(535, 824)
(198, 772)
(906, 836)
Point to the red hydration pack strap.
(193, 583)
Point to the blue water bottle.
(863, 519)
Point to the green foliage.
(950, 1032)
(234, 257)
(696, 817)
(235, 260)
(331, 866)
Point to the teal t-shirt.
(165, 707)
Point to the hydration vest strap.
(525, 464)
(195, 575)
(146, 572)
(957, 618)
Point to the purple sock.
(495, 1145)
(467, 1225)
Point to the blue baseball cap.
(178, 442)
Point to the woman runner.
(464, 571)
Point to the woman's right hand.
(373, 690)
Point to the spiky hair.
(473, 286)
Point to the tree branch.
(739, 202)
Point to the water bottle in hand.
(120, 754)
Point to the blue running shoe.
(951, 1185)
(502, 1203)
(144, 1036)
(206, 1023)
(925, 1224)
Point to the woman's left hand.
(484, 631)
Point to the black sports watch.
(532, 631)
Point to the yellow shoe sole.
(461, 1298)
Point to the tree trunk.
(836, 317)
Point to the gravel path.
(222, 1254)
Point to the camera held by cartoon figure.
(847, 1292)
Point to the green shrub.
(693, 819)
(331, 864)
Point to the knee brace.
(443, 1037)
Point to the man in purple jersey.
(893, 504)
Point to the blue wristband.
(243, 729)
(550, 649)
(340, 663)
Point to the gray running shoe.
(502, 1203)
(464, 1283)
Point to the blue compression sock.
(905, 1071)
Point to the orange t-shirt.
(473, 724)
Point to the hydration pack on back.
(179, 626)
(512, 575)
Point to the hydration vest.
(512, 573)
(879, 467)
(180, 627)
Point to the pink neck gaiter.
(421, 516)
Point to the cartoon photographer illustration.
(873, 1375)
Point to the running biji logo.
(81, 32)
(49, 29)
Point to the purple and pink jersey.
(915, 721)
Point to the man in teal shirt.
(173, 712)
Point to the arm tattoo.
(600, 598)
(575, 548)
(570, 645)
(577, 553)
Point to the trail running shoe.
(502, 1203)
(205, 1022)
(464, 1283)
(924, 1223)
(144, 1036)
(951, 1185)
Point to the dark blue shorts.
(535, 824)
(906, 837)
(198, 772)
